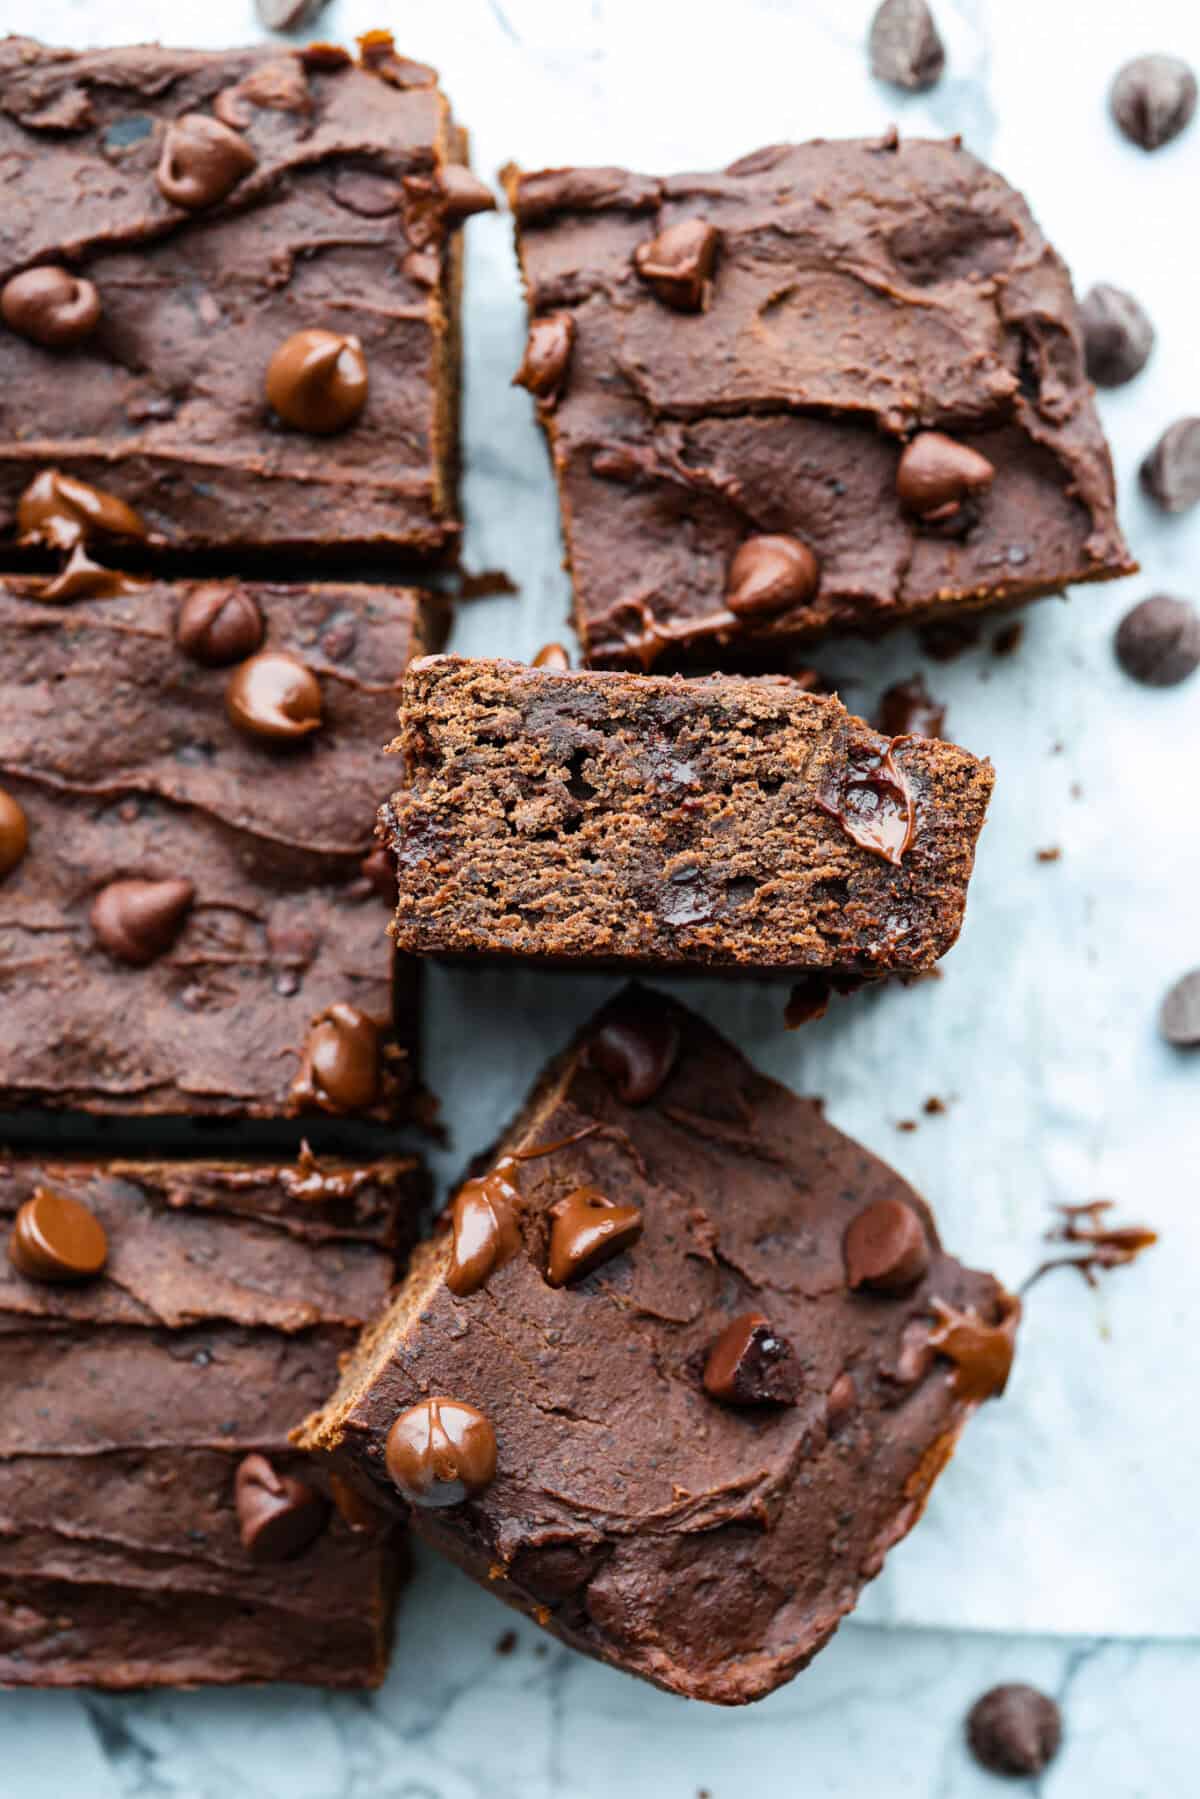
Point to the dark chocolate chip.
(202, 161)
(57, 510)
(636, 1048)
(871, 800)
(83, 579)
(1179, 1019)
(55, 1238)
(936, 474)
(886, 1248)
(288, 15)
(484, 1229)
(1152, 99)
(771, 574)
(547, 359)
(218, 625)
(340, 1064)
(588, 1229)
(1014, 1730)
(14, 833)
(908, 709)
(273, 696)
(749, 1365)
(1158, 641)
(317, 381)
(51, 307)
(1170, 473)
(553, 656)
(278, 1516)
(905, 47)
(138, 921)
(1117, 336)
(441, 1452)
(678, 264)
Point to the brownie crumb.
(1179, 1018)
(1014, 1730)
(906, 1124)
(1052, 854)
(945, 639)
(934, 1107)
(485, 585)
(507, 1643)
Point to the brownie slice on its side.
(193, 917)
(681, 1367)
(163, 1327)
(837, 387)
(639, 821)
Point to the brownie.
(681, 1366)
(731, 822)
(156, 1526)
(837, 387)
(193, 918)
(174, 220)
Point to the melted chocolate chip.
(277, 1515)
(317, 381)
(1117, 336)
(1107, 1246)
(484, 1225)
(273, 696)
(908, 709)
(1179, 1018)
(873, 803)
(463, 193)
(138, 921)
(636, 1048)
(202, 161)
(1152, 100)
(55, 1238)
(14, 833)
(678, 264)
(553, 656)
(749, 1365)
(982, 1353)
(886, 1248)
(588, 1229)
(1170, 474)
(57, 510)
(904, 45)
(441, 1452)
(218, 625)
(1014, 1730)
(936, 475)
(340, 1064)
(354, 1509)
(83, 579)
(771, 574)
(51, 307)
(547, 359)
(1158, 641)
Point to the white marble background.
(1070, 1509)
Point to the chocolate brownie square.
(164, 1325)
(193, 918)
(836, 388)
(681, 1367)
(646, 821)
(229, 294)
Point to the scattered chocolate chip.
(51, 307)
(57, 510)
(83, 579)
(463, 193)
(288, 15)
(905, 47)
(936, 475)
(636, 1048)
(1117, 336)
(277, 1515)
(354, 1509)
(484, 1228)
(441, 1452)
(218, 625)
(1179, 1019)
(1152, 100)
(908, 709)
(275, 697)
(14, 833)
(870, 798)
(770, 574)
(1170, 473)
(202, 161)
(1158, 641)
(138, 921)
(982, 1353)
(749, 1365)
(886, 1248)
(1014, 1730)
(57, 1239)
(678, 264)
(553, 656)
(587, 1230)
(547, 359)
(340, 1063)
(317, 381)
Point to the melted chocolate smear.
(1107, 1245)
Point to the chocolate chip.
(354, 1509)
(202, 161)
(83, 579)
(273, 696)
(57, 510)
(14, 833)
(1158, 641)
(484, 1229)
(885, 1247)
(770, 574)
(57, 1239)
(51, 307)
(553, 656)
(1179, 1019)
(1117, 336)
(749, 1365)
(340, 1064)
(678, 264)
(908, 709)
(905, 47)
(1014, 1730)
(587, 1230)
(463, 194)
(871, 800)
(277, 1515)
(547, 358)
(636, 1048)
(138, 921)
(317, 381)
(1170, 473)
(441, 1452)
(288, 15)
(936, 474)
(1152, 100)
(218, 625)
(982, 1352)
